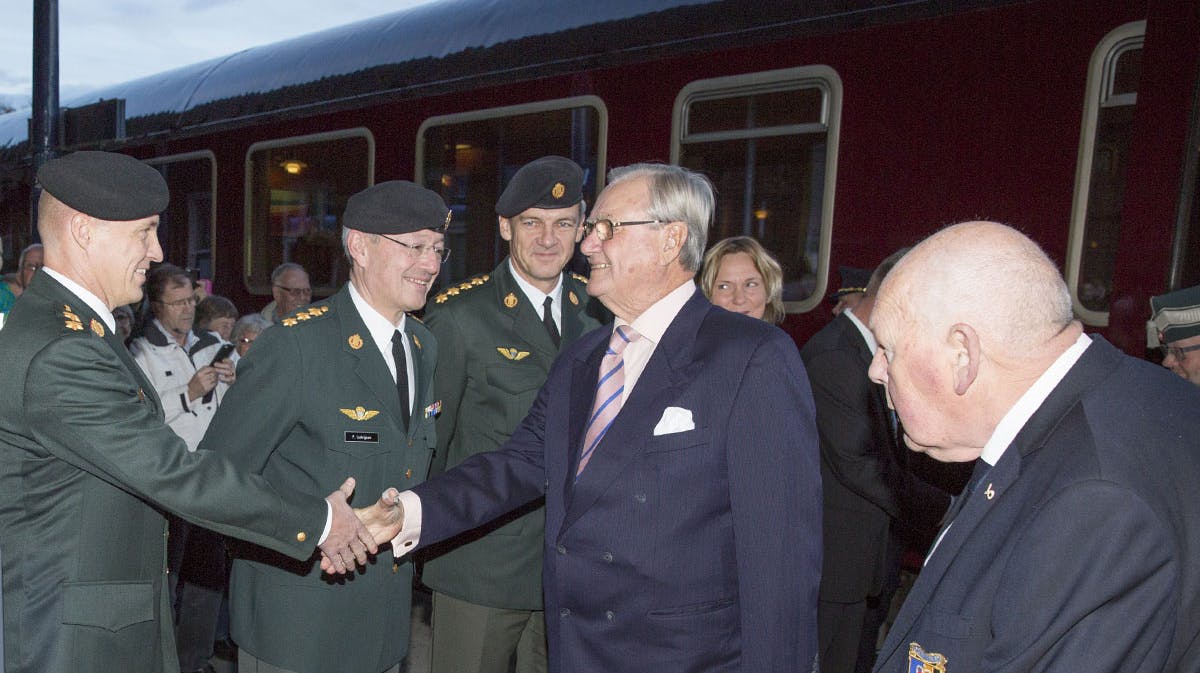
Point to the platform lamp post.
(43, 126)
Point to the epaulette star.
(456, 290)
(305, 314)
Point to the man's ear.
(505, 227)
(356, 243)
(673, 239)
(82, 230)
(967, 353)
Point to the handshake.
(355, 533)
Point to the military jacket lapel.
(368, 364)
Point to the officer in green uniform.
(343, 384)
(88, 469)
(497, 335)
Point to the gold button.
(301, 537)
(408, 473)
(395, 567)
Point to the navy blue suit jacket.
(1080, 549)
(685, 552)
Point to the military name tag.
(355, 436)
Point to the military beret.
(396, 207)
(1177, 314)
(549, 182)
(853, 280)
(105, 185)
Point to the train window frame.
(211, 157)
(1098, 95)
(822, 77)
(520, 109)
(248, 187)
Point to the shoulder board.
(413, 317)
(469, 284)
(305, 314)
(73, 323)
(581, 279)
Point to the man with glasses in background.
(290, 289)
(1176, 321)
(343, 384)
(182, 365)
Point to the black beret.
(105, 185)
(1177, 314)
(549, 182)
(396, 207)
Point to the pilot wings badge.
(512, 353)
(920, 661)
(359, 414)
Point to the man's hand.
(383, 521)
(226, 373)
(203, 381)
(348, 540)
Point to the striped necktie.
(609, 391)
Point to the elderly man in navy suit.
(1077, 547)
(677, 452)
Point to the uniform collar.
(86, 297)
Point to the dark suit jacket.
(87, 468)
(1080, 549)
(293, 417)
(493, 357)
(692, 551)
(865, 481)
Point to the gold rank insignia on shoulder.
(920, 661)
(511, 300)
(512, 353)
(573, 299)
(355, 342)
(558, 190)
(317, 310)
(359, 413)
(97, 328)
(417, 341)
(289, 322)
(71, 324)
(303, 316)
(70, 320)
(480, 280)
(582, 279)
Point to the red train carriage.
(834, 131)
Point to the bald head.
(987, 275)
(966, 322)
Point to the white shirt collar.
(86, 297)
(654, 321)
(381, 328)
(536, 296)
(1033, 398)
(867, 336)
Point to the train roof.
(451, 44)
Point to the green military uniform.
(494, 355)
(87, 468)
(314, 403)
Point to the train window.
(1113, 76)
(296, 191)
(468, 158)
(768, 141)
(186, 227)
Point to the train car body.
(836, 132)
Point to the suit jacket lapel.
(665, 374)
(368, 364)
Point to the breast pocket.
(679, 441)
(360, 436)
(520, 385)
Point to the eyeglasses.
(296, 292)
(1177, 351)
(606, 228)
(180, 303)
(419, 251)
(247, 340)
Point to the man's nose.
(878, 369)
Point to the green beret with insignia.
(1177, 314)
(396, 207)
(105, 185)
(549, 182)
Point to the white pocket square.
(674, 419)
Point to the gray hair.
(677, 195)
(251, 322)
(284, 268)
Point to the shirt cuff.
(328, 523)
(410, 534)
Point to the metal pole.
(43, 127)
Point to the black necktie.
(401, 374)
(548, 321)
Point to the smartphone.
(224, 352)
